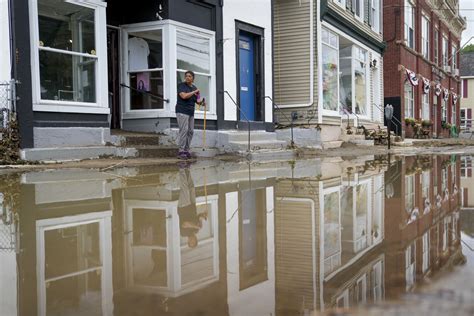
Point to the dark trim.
(340, 22)
(54, 119)
(22, 66)
(259, 47)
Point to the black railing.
(145, 92)
(275, 106)
(242, 114)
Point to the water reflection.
(228, 239)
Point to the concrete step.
(362, 142)
(140, 140)
(272, 155)
(241, 146)
(332, 144)
(156, 151)
(233, 136)
(75, 153)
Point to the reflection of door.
(247, 76)
(113, 75)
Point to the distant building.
(422, 64)
(467, 83)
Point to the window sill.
(69, 108)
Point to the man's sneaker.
(188, 154)
(182, 155)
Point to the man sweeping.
(188, 97)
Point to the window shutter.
(367, 8)
(464, 88)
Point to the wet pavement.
(333, 236)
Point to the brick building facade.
(423, 38)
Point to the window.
(426, 252)
(464, 88)
(68, 56)
(463, 118)
(332, 231)
(358, 7)
(145, 69)
(425, 183)
(342, 3)
(466, 167)
(360, 76)
(454, 56)
(409, 100)
(193, 53)
(453, 114)
(426, 107)
(444, 115)
(409, 193)
(375, 15)
(436, 46)
(410, 24)
(330, 66)
(425, 37)
(444, 55)
(410, 264)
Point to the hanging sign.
(426, 86)
(412, 77)
(438, 89)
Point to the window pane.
(145, 50)
(77, 295)
(360, 82)
(330, 78)
(147, 90)
(66, 77)
(72, 249)
(203, 83)
(193, 52)
(66, 26)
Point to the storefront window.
(67, 52)
(145, 69)
(193, 53)
(360, 77)
(330, 70)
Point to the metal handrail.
(345, 111)
(145, 92)
(242, 113)
(292, 144)
(344, 107)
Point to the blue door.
(247, 77)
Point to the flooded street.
(216, 238)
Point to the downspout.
(319, 60)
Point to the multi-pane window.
(410, 266)
(409, 193)
(360, 75)
(409, 100)
(425, 37)
(463, 118)
(358, 7)
(68, 55)
(444, 115)
(436, 46)
(454, 56)
(410, 24)
(444, 55)
(453, 114)
(426, 107)
(375, 15)
(330, 57)
(425, 183)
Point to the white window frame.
(361, 11)
(410, 193)
(334, 259)
(463, 118)
(328, 45)
(425, 184)
(453, 114)
(425, 36)
(375, 15)
(444, 51)
(436, 46)
(409, 101)
(425, 106)
(101, 106)
(367, 81)
(410, 266)
(409, 16)
(170, 28)
(454, 56)
(444, 109)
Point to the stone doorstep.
(75, 153)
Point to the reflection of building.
(328, 235)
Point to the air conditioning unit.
(456, 72)
(447, 68)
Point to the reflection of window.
(330, 70)
(425, 183)
(444, 179)
(145, 69)
(409, 193)
(343, 300)
(332, 232)
(377, 281)
(446, 222)
(426, 252)
(361, 290)
(67, 52)
(409, 24)
(193, 53)
(410, 263)
(409, 100)
(466, 167)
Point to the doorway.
(250, 72)
(113, 61)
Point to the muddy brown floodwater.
(362, 236)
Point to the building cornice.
(448, 12)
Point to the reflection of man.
(189, 220)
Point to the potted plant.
(426, 123)
(409, 127)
